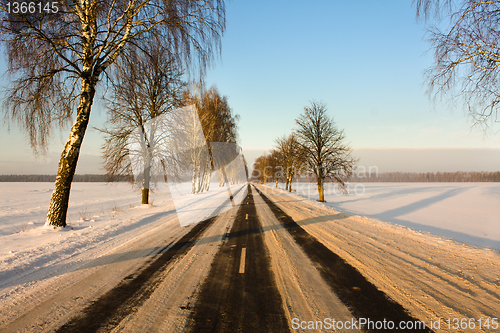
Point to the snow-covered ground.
(100, 218)
(24, 205)
(467, 212)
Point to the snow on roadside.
(467, 212)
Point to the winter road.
(250, 269)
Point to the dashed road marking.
(242, 260)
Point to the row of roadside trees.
(60, 58)
(464, 36)
(158, 128)
(316, 148)
(148, 87)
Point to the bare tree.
(219, 124)
(325, 153)
(235, 170)
(275, 167)
(147, 84)
(57, 57)
(290, 157)
(198, 153)
(259, 169)
(466, 53)
(267, 167)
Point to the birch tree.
(190, 141)
(325, 153)
(219, 124)
(57, 57)
(146, 85)
(466, 44)
(246, 167)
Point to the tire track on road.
(109, 309)
(363, 298)
(240, 296)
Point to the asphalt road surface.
(240, 293)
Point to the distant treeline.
(458, 176)
(52, 178)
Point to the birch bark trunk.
(58, 207)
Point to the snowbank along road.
(275, 263)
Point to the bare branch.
(467, 56)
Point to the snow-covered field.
(467, 212)
(100, 218)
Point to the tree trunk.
(207, 176)
(321, 190)
(58, 207)
(199, 177)
(210, 168)
(146, 180)
(145, 196)
(227, 185)
(292, 173)
(196, 175)
(223, 177)
(148, 159)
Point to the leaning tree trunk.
(199, 177)
(59, 200)
(209, 168)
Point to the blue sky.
(363, 59)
